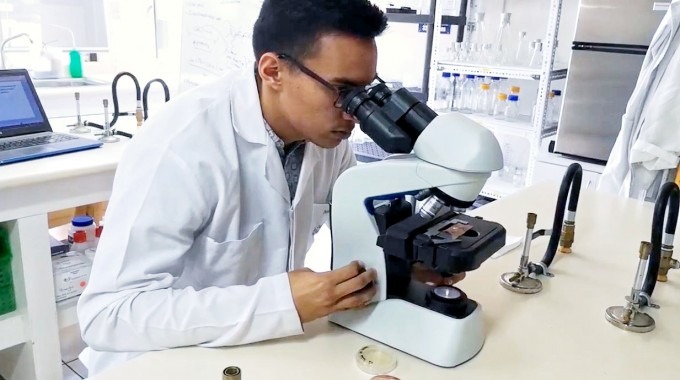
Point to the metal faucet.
(5, 42)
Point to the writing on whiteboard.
(216, 38)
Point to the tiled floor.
(71, 346)
(70, 374)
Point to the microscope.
(441, 164)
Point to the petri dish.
(376, 360)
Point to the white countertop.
(70, 164)
(560, 333)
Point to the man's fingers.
(454, 279)
(358, 299)
(356, 283)
(343, 274)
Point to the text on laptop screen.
(17, 104)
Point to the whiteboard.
(216, 39)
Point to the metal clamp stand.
(107, 136)
(79, 127)
(631, 317)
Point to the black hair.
(293, 26)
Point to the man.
(216, 200)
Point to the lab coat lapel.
(306, 180)
(275, 174)
(249, 124)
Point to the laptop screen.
(20, 109)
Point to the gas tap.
(561, 237)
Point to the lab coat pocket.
(233, 262)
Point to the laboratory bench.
(559, 333)
(29, 336)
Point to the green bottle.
(75, 65)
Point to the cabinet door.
(544, 171)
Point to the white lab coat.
(649, 140)
(195, 248)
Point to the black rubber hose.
(99, 126)
(571, 188)
(114, 95)
(669, 192)
(145, 95)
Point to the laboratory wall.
(144, 36)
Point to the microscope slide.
(511, 242)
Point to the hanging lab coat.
(649, 141)
(195, 248)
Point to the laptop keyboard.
(34, 141)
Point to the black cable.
(114, 91)
(145, 96)
(669, 192)
(571, 188)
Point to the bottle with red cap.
(80, 243)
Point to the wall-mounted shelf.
(512, 72)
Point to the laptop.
(25, 132)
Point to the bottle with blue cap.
(456, 94)
(443, 92)
(83, 223)
(512, 108)
(554, 115)
(468, 98)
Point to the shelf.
(412, 18)
(67, 314)
(497, 188)
(521, 128)
(513, 72)
(12, 330)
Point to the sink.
(68, 82)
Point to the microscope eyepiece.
(394, 120)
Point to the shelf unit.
(534, 129)
(433, 22)
(12, 330)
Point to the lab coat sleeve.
(133, 301)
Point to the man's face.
(309, 106)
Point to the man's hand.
(426, 275)
(317, 295)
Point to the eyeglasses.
(341, 91)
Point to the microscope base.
(417, 331)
